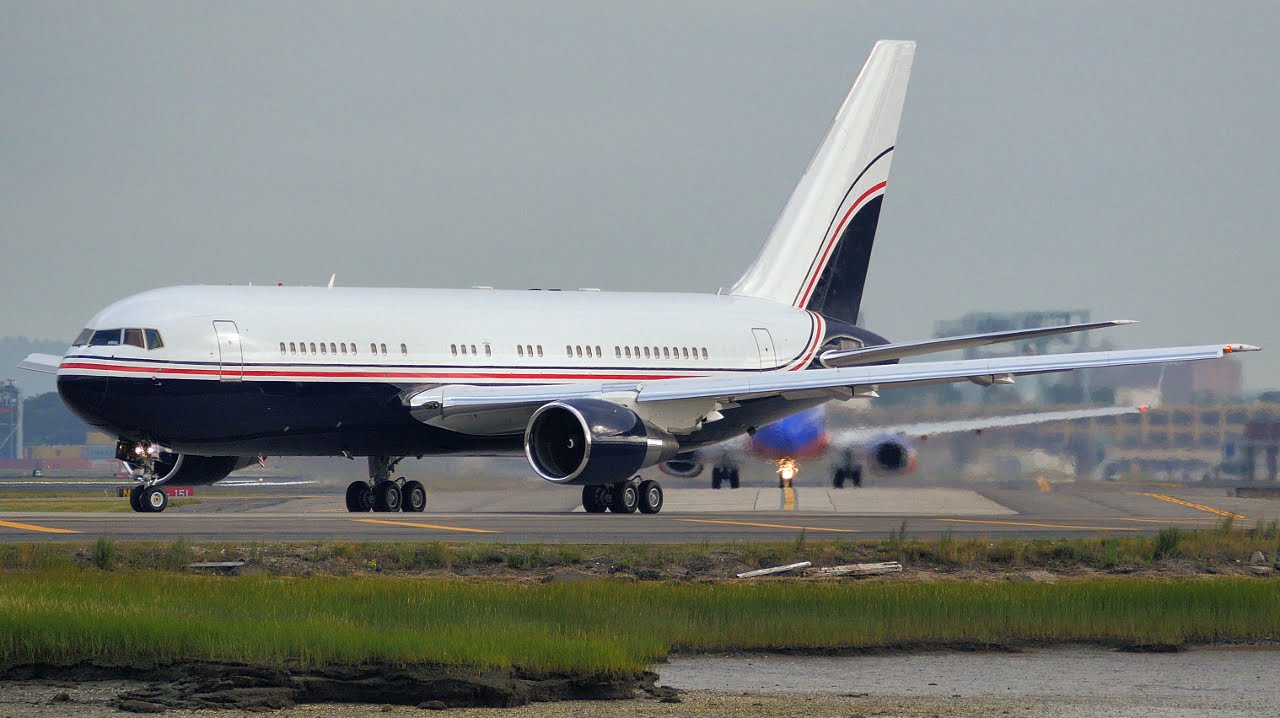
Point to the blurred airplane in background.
(883, 450)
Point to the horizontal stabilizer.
(43, 363)
(887, 352)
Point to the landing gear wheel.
(387, 497)
(624, 498)
(415, 497)
(717, 477)
(154, 500)
(650, 497)
(595, 499)
(837, 479)
(135, 498)
(733, 478)
(855, 475)
(359, 497)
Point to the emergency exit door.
(764, 342)
(230, 354)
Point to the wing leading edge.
(493, 410)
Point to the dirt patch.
(244, 686)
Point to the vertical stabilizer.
(817, 255)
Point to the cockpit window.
(153, 339)
(133, 337)
(83, 339)
(105, 338)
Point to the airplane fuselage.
(320, 371)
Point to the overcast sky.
(1119, 157)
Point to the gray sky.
(1117, 157)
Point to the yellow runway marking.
(31, 527)
(1041, 526)
(788, 499)
(769, 526)
(1198, 507)
(427, 526)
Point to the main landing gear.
(724, 474)
(383, 493)
(846, 471)
(624, 497)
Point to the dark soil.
(243, 686)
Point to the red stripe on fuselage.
(831, 243)
(179, 371)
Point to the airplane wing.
(901, 350)
(43, 363)
(859, 436)
(495, 410)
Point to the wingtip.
(1238, 348)
(1122, 322)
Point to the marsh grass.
(72, 615)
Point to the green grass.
(601, 626)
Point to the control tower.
(10, 420)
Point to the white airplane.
(592, 386)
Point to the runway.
(553, 515)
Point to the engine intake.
(591, 441)
(892, 455)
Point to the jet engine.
(682, 468)
(891, 455)
(591, 441)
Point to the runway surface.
(554, 514)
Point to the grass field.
(596, 626)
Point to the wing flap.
(902, 350)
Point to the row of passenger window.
(667, 352)
(141, 338)
(335, 348)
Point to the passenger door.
(764, 343)
(230, 355)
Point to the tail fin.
(817, 255)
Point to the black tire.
(135, 498)
(837, 479)
(595, 499)
(154, 500)
(733, 478)
(650, 497)
(358, 497)
(387, 496)
(717, 476)
(624, 498)
(856, 475)
(415, 497)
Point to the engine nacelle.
(591, 441)
(891, 455)
(184, 469)
(682, 468)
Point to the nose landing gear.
(382, 493)
(150, 466)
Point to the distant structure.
(10, 420)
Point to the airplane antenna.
(332, 277)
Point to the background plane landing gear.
(851, 474)
(722, 474)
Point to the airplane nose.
(84, 396)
